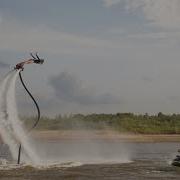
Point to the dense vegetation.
(122, 122)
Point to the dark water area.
(97, 160)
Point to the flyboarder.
(35, 59)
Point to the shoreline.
(102, 135)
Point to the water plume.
(11, 128)
(5, 127)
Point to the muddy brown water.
(97, 160)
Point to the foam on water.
(6, 165)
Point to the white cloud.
(164, 13)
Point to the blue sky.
(102, 56)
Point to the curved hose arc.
(36, 104)
(38, 110)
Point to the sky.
(101, 56)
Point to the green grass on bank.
(122, 122)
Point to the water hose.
(36, 104)
(38, 111)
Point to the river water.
(96, 160)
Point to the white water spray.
(5, 128)
(11, 128)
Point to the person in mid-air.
(36, 60)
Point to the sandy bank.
(102, 135)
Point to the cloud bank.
(69, 89)
(164, 13)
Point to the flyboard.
(20, 66)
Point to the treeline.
(122, 122)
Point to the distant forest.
(121, 122)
